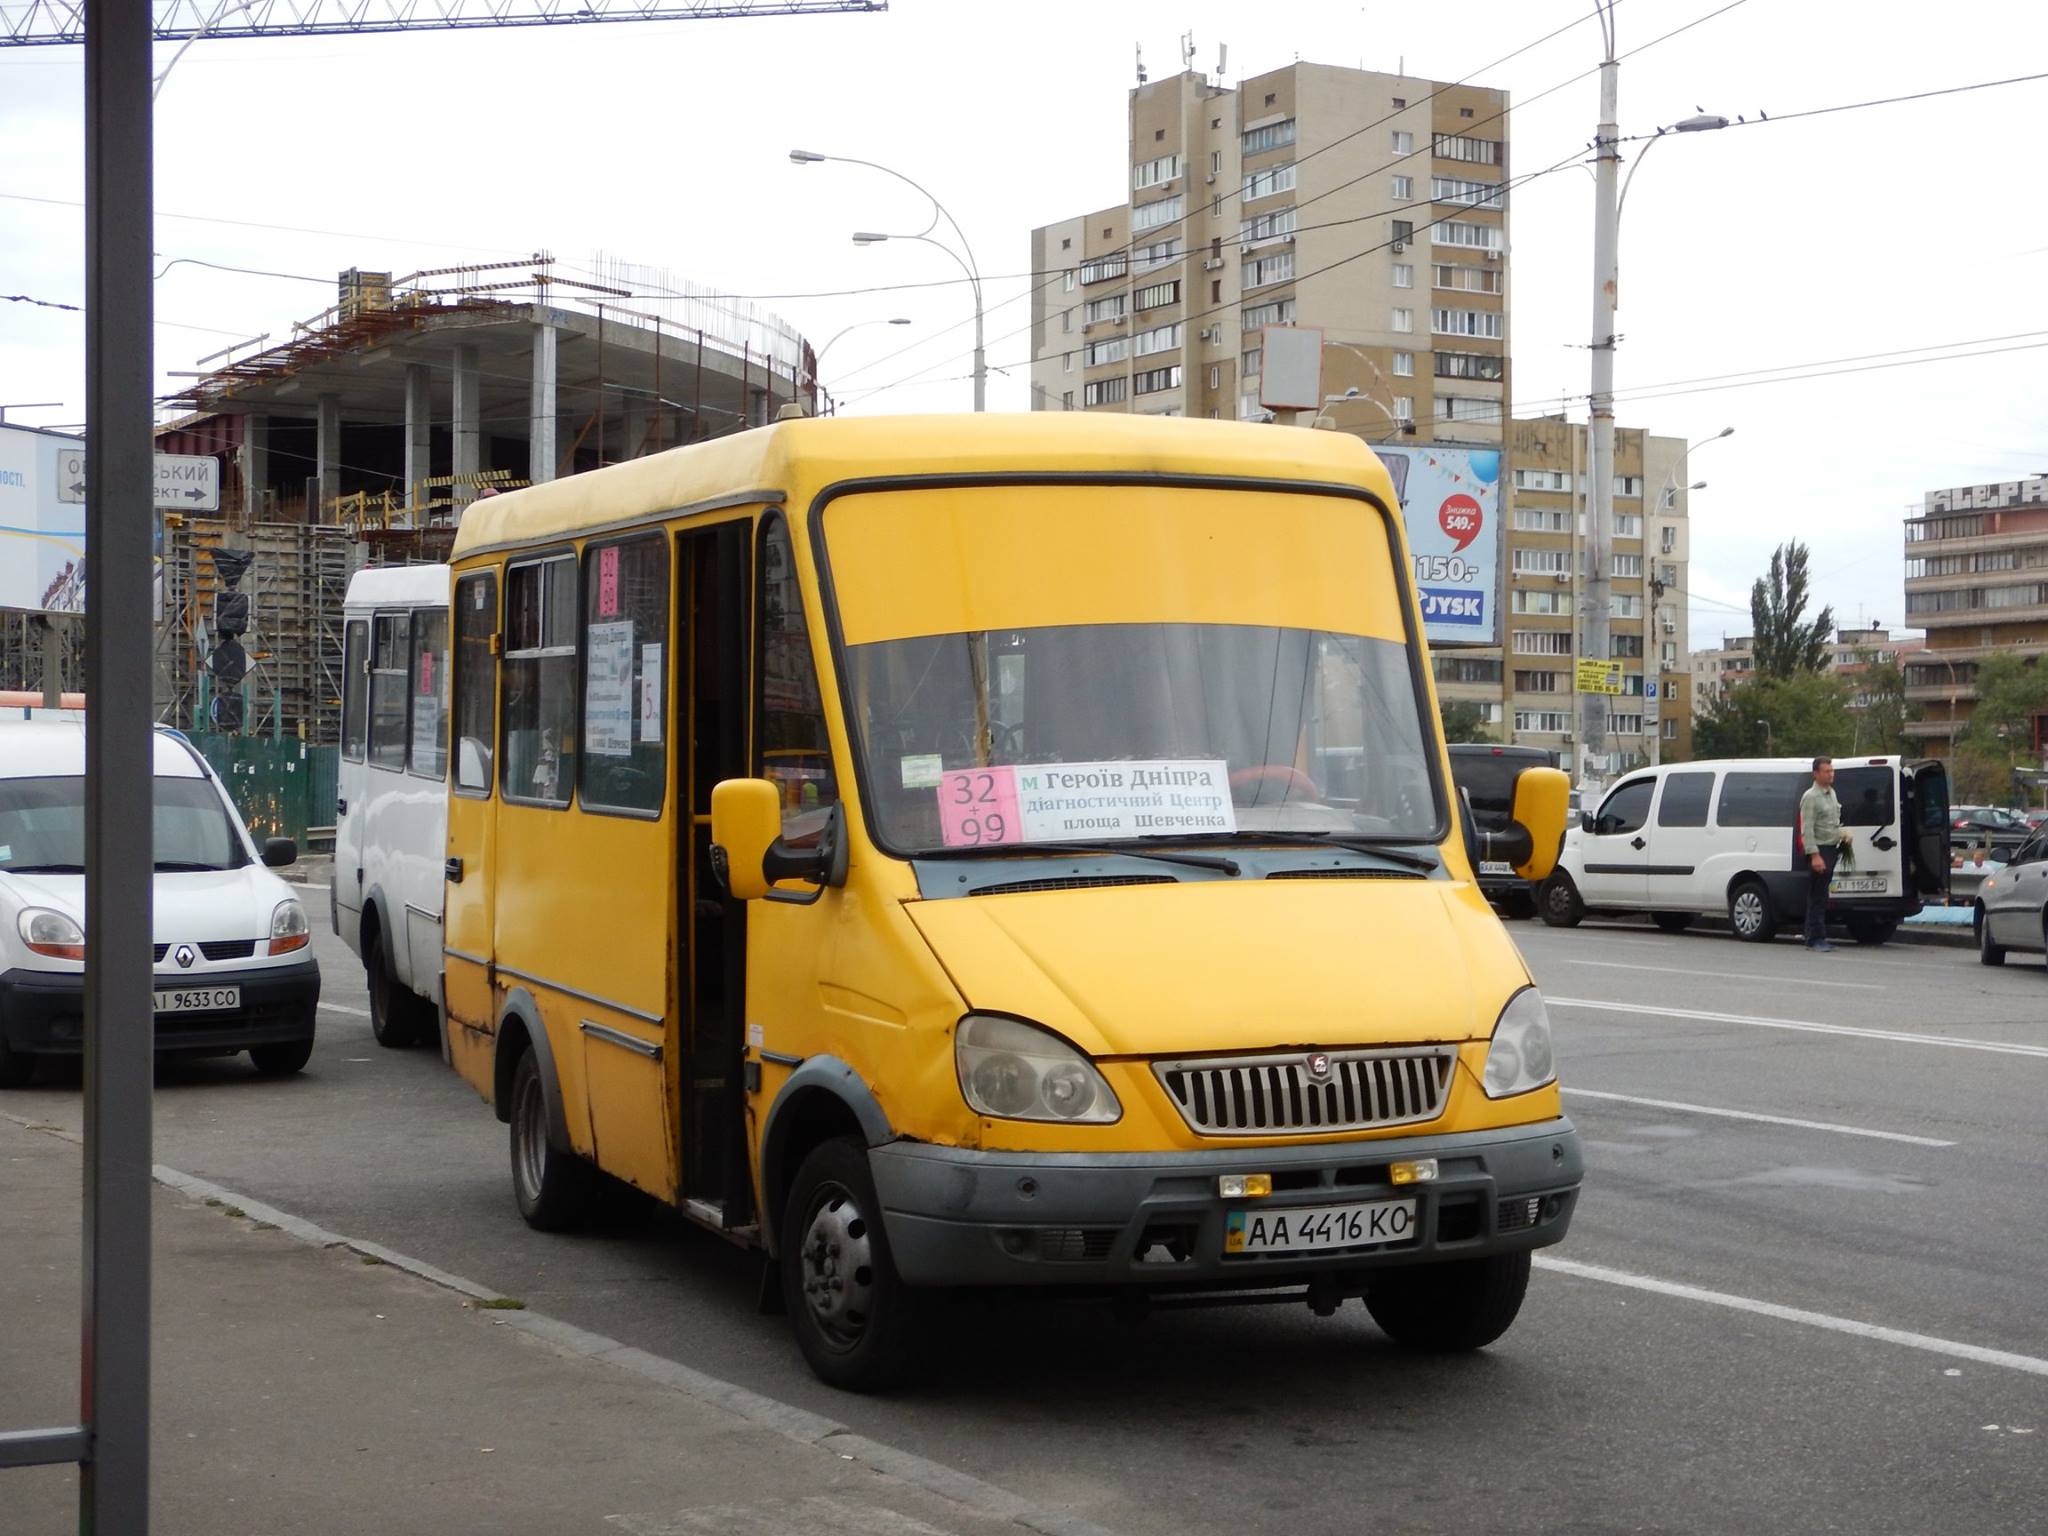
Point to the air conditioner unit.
(1212, 263)
(1563, 576)
(1119, 320)
(1400, 246)
(1208, 334)
(1209, 180)
(1493, 255)
(1671, 626)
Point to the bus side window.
(537, 683)
(355, 684)
(795, 751)
(476, 680)
(429, 699)
(624, 761)
(390, 635)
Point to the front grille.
(1279, 1095)
(161, 951)
(1515, 1215)
(1075, 1245)
(227, 949)
(1071, 883)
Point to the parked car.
(232, 973)
(2012, 904)
(1485, 777)
(1687, 840)
(1989, 826)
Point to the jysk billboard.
(42, 540)
(1450, 498)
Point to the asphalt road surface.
(1804, 1290)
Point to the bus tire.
(1449, 1308)
(851, 1312)
(1989, 952)
(1558, 900)
(1749, 911)
(394, 1016)
(551, 1185)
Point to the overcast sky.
(1914, 226)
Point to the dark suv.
(1485, 778)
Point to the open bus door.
(1924, 784)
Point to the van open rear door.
(1925, 825)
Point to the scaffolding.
(295, 587)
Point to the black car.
(1485, 778)
(1999, 831)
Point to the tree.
(1880, 708)
(1786, 644)
(1807, 715)
(2011, 691)
(1463, 721)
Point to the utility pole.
(1600, 500)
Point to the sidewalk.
(316, 1390)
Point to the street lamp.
(1770, 746)
(818, 357)
(1600, 400)
(967, 261)
(1405, 425)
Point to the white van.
(390, 811)
(1712, 839)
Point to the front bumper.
(43, 1013)
(958, 1217)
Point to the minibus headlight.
(1017, 1071)
(52, 933)
(1520, 1057)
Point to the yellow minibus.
(995, 852)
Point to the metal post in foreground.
(1594, 645)
(120, 1025)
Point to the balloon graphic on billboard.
(1450, 503)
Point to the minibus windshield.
(1115, 732)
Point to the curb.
(786, 1419)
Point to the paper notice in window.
(1084, 802)
(650, 695)
(608, 695)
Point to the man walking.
(1820, 832)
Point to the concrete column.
(541, 449)
(419, 422)
(327, 456)
(637, 441)
(468, 430)
(255, 465)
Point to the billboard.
(1450, 501)
(42, 537)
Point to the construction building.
(1368, 206)
(1977, 582)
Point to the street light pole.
(818, 357)
(967, 263)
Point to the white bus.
(1721, 838)
(391, 818)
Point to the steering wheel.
(1291, 781)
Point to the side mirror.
(1542, 801)
(750, 852)
(280, 851)
(1585, 821)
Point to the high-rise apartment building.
(1365, 205)
(1977, 582)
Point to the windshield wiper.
(42, 869)
(1392, 855)
(188, 867)
(1214, 861)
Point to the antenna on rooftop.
(1222, 60)
(1187, 50)
(1141, 62)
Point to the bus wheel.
(851, 1313)
(1449, 1308)
(1749, 912)
(552, 1186)
(394, 1012)
(1558, 900)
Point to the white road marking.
(1902, 1037)
(1672, 970)
(1744, 1114)
(360, 1013)
(1954, 1349)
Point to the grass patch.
(370, 1258)
(234, 1210)
(263, 1226)
(500, 1304)
(213, 1204)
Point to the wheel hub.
(837, 1260)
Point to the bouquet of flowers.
(1847, 860)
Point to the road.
(1803, 1291)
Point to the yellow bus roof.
(795, 459)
